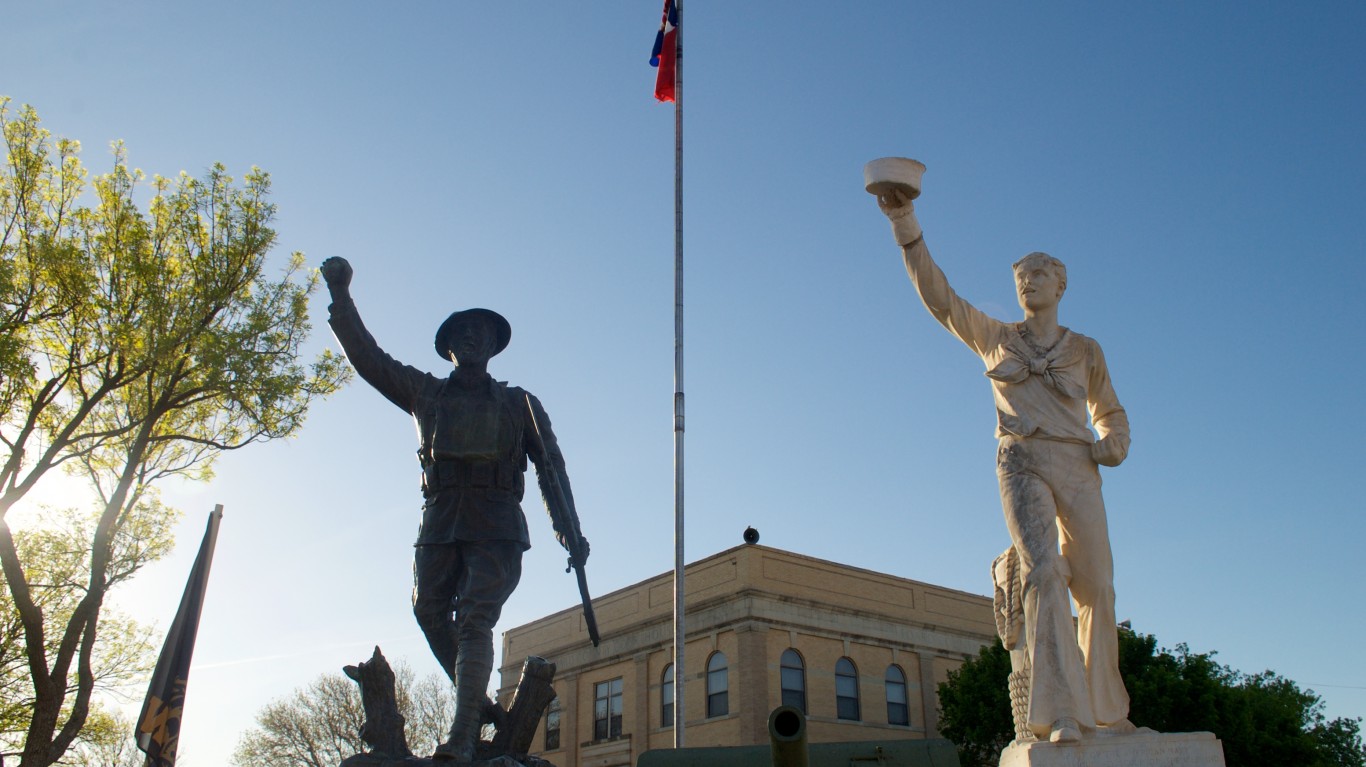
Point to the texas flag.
(665, 53)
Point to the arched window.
(897, 710)
(718, 686)
(846, 690)
(666, 697)
(552, 725)
(793, 674)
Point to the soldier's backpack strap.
(426, 425)
(512, 399)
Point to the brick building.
(861, 652)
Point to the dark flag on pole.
(158, 729)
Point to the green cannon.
(787, 737)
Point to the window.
(607, 709)
(552, 725)
(718, 686)
(846, 690)
(793, 675)
(666, 698)
(897, 710)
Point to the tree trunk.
(383, 728)
(533, 694)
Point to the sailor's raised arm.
(961, 318)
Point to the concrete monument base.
(1142, 749)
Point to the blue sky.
(1199, 167)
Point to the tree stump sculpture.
(514, 728)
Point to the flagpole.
(680, 678)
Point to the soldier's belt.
(473, 474)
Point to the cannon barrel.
(787, 736)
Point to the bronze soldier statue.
(476, 437)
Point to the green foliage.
(133, 347)
(975, 707)
(1262, 719)
(105, 741)
(40, 270)
(1339, 742)
(57, 554)
(319, 725)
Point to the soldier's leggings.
(471, 580)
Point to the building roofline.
(734, 550)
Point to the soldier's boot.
(472, 670)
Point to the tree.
(975, 707)
(57, 558)
(1262, 719)
(105, 741)
(319, 725)
(136, 347)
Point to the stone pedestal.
(1143, 749)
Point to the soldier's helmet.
(495, 320)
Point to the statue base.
(373, 760)
(1141, 749)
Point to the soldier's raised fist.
(336, 272)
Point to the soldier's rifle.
(560, 510)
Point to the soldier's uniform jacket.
(474, 444)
